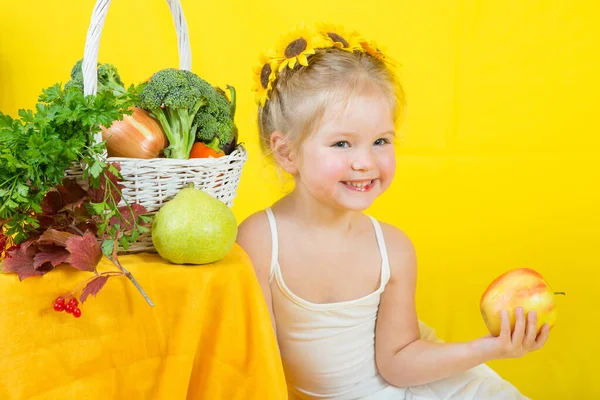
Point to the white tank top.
(328, 350)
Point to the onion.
(137, 136)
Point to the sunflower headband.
(296, 47)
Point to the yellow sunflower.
(373, 50)
(296, 45)
(337, 36)
(264, 76)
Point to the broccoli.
(108, 78)
(183, 103)
(215, 122)
(229, 147)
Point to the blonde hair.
(333, 77)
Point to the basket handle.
(92, 42)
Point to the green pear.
(194, 228)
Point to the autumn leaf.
(55, 236)
(19, 260)
(74, 206)
(85, 251)
(3, 241)
(127, 218)
(88, 225)
(55, 257)
(93, 287)
(47, 221)
(116, 187)
(52, 202)
(97, 195)
(71, 192)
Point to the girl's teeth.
(358, 185)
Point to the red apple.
(522, 287)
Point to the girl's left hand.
(524, 339)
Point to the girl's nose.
(363, 161)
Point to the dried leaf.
(97, 194)
(52, 202)
(93, 287)
(71, 192)
(127, 219)
(55, 236)
(74, 206)
(3, 241)
(46, 221)
(88, 225)
(56, 257)
(85, 251)
(44, 268)
(19, 260)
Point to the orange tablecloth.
(208, 336)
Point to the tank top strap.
(385, 263)
(274, 243)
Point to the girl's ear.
(283, 152)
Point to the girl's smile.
(360, 186)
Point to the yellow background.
(498, 161)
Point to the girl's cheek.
(388, 166)
(392, 163)
(336, 165)
(330, 158)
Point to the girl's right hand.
(524, 339)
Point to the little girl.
(340, 285)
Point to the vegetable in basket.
(108, 78)
(206, 150)
(216, 129)
(137, 135)
(229, 147)
(176, 98)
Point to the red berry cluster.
(71, 307)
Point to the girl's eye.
(381, 142)
(342, 143)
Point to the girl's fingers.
(504, 325)
(531, 330)
(519, 332)
(542, 337)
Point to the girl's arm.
(252, 234)
(405, 360)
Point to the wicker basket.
(154, 182)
